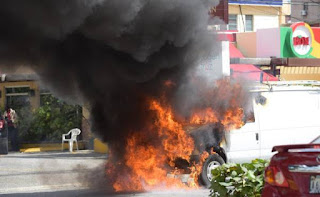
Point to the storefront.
(296, 41)
(19, 92)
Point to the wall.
(285, 11)
(268, 42)
(247, 43)
(265, 22)
(18, 70)
(313, 11)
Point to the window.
(233, 22)
(249, 113)
(249, 23)
(288, 18)
(305, 6)
(18, 97)
(17, 90)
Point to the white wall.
(264, 22)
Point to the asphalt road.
(64, 174)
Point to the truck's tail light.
(274, 176)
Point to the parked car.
(294, 171)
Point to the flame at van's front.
(150, 154)
(204, 116)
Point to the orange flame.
(204, 116)
(147, 166)
(233, 119)
(147, 162)
(176, 142)
(196, 169)
(151, 153)
(169, 83)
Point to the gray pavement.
(63, 174)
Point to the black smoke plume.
(112, 54)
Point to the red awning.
(234, 52)
(247, 71)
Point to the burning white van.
(280, 113)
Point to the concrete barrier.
(99, 146)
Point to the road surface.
(64, 174)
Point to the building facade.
(298, 41)
(19, 88)
(305, 11)
(250, 15)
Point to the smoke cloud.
(110, 54)
(116, 54)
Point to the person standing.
(11, 118)
(2, 127)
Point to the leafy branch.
(245, 179)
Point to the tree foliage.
(239, 179)
(50, 121)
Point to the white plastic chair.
(74, 133)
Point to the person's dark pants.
(13, 136)
(3, 133)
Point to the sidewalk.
(48, 171)
(57, 154)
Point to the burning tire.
(211, 162)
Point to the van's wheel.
(211, 163)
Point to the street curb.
(45, 147)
